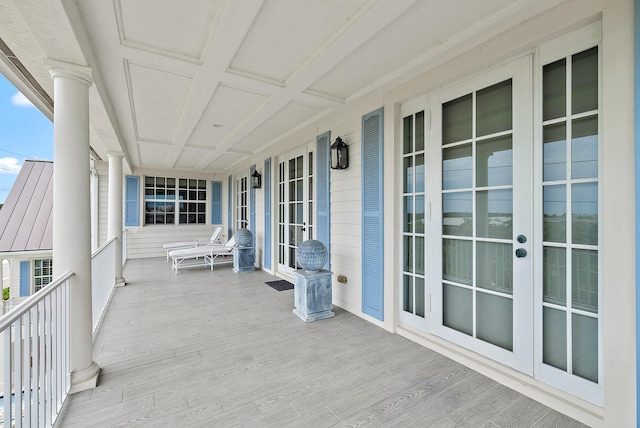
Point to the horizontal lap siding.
(346, 223)
(103, 199)
(147, 241)
(258, 233)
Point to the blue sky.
(25, 133)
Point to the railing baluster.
(17, 360)
(47, 369)
(35, 363)
(7, 377)
(67, 326)
(54, 353)
(59, 374)
(43, 352)
(27, 369)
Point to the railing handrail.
(102, 247)
(26, 305)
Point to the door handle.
(521, 252)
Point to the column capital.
(115, 154)
(66, 69)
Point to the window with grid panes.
(171, 200)
(42, 273)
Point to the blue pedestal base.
(243, 259)
(312, 295)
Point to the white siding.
(346, 220)
(103, 198)
(147, 241)
(259, 210)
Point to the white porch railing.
(103, 279)
(36, 376)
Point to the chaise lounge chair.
(204, 255)
(214, 240)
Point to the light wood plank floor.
(219, 349)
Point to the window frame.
(45, 279)
(190, 210)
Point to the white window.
(169, 200)
(42, 273)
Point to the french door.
(295, 206)
(501, 234)
(242, 203)
(483, 180)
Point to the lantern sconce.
(256, 179)
(339, 154)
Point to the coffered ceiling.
(200, 85)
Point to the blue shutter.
(252, 207)
(230, 207)
(372, 215)
(132, 201)
(216, 202)
(323, 195)
(25, 278)
(267, 213)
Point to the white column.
(72, 211)
(114, 227)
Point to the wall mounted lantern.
(339, 154)
(256, 179)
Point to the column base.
(120, 282)
(85, 379)
(314, 316)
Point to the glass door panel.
(477, 214)
(570, 263)
(413, 229)
(295, 206)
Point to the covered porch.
(217, 348)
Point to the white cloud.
(9, 166)
(20, 100)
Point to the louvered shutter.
(230, 207)
(372, 215)
(216, 202)
(267, 213)
(132, 201)
(323, 199)
(25, 278)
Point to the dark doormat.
(280, 285)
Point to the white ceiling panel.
(224, 162)
(180, 29)
(191, 158)
(290, 117)
(158, 98)
(205, 84)
(228, 108)
(421, 29)
(153, 154)
(279, 44)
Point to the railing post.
(114, 225)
